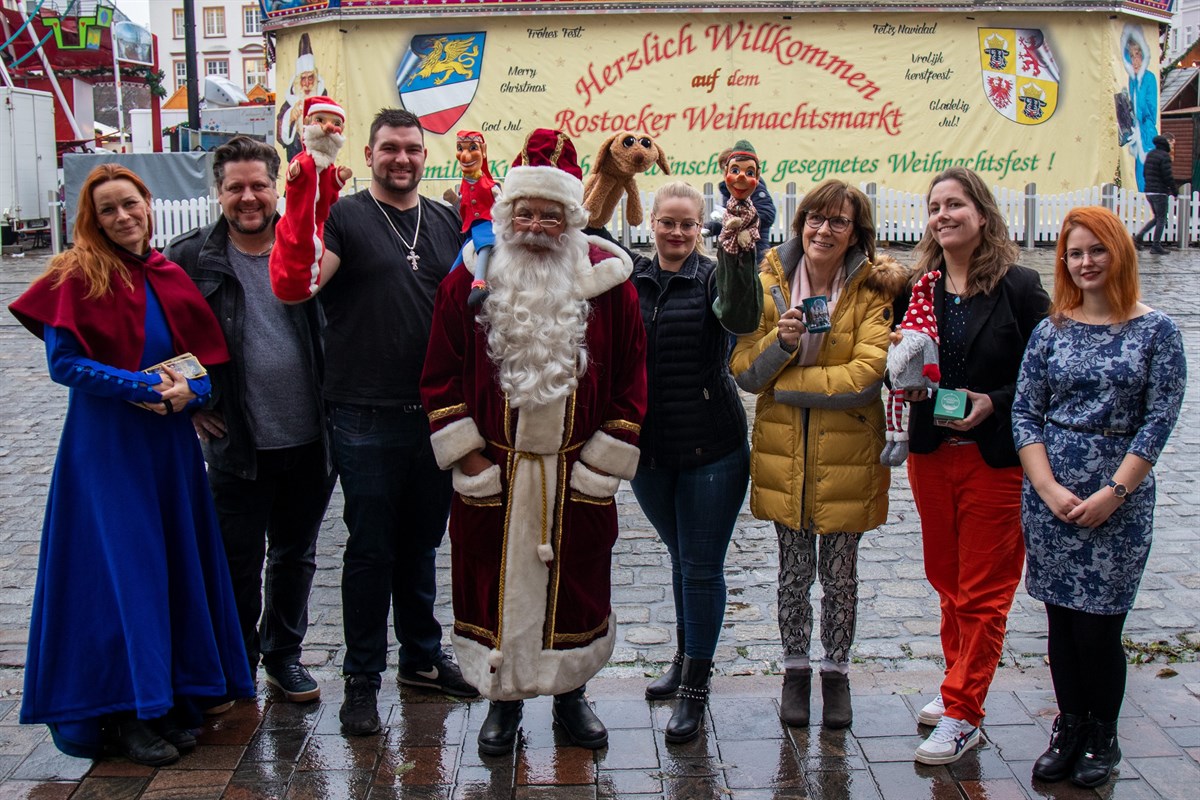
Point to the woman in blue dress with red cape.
(133, 628)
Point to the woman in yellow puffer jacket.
(818, 428)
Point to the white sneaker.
(931, 713)
(949, 740)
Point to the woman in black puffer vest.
(695, 460)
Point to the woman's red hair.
(1121, 286)
(94, 258)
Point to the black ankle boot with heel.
(1066, 741)
(1100, 755)
(663, 687)
(583, 727)
(835, 696)
(690, 700)
(498, 734)
(795, 699)
(134, 739)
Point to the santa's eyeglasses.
(545, 222)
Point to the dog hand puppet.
(621, 158)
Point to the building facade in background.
(1185, 29)
(229, 42)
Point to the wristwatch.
(1119, 489)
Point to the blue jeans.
(397, 504)
(694, 511)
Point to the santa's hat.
(742, 149)
(305, 61)
(320, 104)
(548, 168)
(920, 315)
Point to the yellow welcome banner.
(1019, 97)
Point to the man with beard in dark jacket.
(1160, 185)
(264, 434)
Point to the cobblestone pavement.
(264, 749)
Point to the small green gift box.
(950, 405)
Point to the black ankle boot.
(690, 701)
(134, 739)
(572, 712)
(835, 695)
(797, 691)
(663, 687)
(170, 729)
(1101, 754)
(498, 734)
(1066, 740)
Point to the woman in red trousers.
(965, 475)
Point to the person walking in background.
(536, 401)
(695, 462)
(818, 428)
(386, 252)
(1160, 188)
(133, 629)
(965, 475)
(1099, 392)
(264, 433)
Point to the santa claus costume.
(533, 535)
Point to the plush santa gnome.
(912, 363)
(313, 184)
(476, 196)
(739, 233)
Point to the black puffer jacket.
(1157, 169)
(694, 415)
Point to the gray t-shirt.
(281, 407)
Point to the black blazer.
(999, 328)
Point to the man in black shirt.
(387, 249)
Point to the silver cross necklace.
(412, 256)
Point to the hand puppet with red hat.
(912, 364)
(313, 185)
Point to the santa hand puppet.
(477, 194)
(313, 184)
(912, 364)
(739, 232)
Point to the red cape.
(112, 328)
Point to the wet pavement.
(277, 750)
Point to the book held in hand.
(186, 365)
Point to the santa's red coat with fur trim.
(531, 589)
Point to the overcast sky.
(137, 10)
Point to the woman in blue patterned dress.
(1098, 394)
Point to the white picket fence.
(1032, 217)
(173, 217)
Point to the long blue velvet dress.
(133, 609)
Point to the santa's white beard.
(322, 146)
(535, 321)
